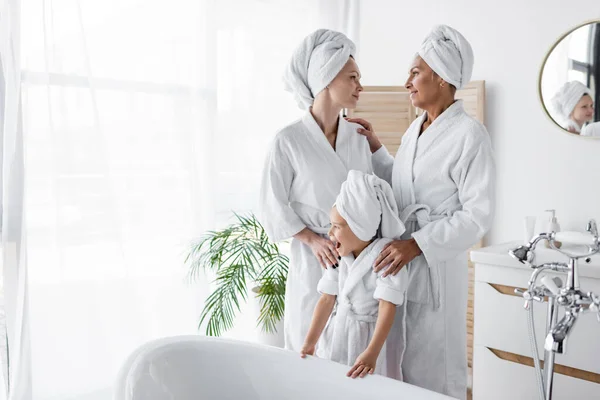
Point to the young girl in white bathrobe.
(362, 304)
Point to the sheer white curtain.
(255, 42)
(144, 124)
(16, 372)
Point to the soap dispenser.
(553, 226)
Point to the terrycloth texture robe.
(358, 289)
(443, 181)
(301, 179)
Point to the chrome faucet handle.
(526, 295)
(592, 227)
(537, 293)
(530, 295)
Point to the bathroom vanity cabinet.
(502, 357)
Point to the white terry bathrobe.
(367, 204)
(444, 184)
(303, 174)
(592, 129)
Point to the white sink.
(498, 255)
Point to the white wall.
(539, 167)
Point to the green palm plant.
(240, 254)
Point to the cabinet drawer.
(500, 322)
(497, 378)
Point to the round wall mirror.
(570, 78)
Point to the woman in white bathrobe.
(363, 220)
(306, 165)
(443, 177)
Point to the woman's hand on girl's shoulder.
(395, 255)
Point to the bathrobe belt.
(343, 313)
(344, 310)
(422, 215)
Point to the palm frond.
(239, 253)
(222, 305)
(271, 296)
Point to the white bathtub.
(198, 367)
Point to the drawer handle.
(503, 289)
(558, 368)
(508, 290)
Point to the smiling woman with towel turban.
(443, 179)
(573, 105)
(306, 165)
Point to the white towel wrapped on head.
(367, 202)
(315, 63)
(449, 54)
(565, 100)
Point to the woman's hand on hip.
(395, 255)
(368, 132)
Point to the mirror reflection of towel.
(567, 97)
